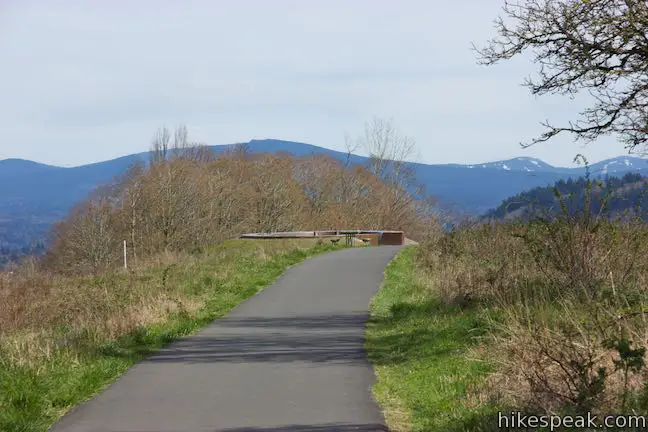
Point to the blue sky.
(84, 81)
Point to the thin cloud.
(89, 81)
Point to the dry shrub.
(566, 296)
(469, 266)
(41, 312)
(183, 204)
(565, 362)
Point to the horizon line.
(459, 164)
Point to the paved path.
(288, 359)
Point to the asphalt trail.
(289, 359)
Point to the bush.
(565, 294)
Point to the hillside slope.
(612, 196)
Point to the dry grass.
(64, 338)
(559, 296)
(42, 311)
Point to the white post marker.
(125, 264)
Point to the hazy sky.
(84, 81)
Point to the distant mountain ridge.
(39, 194)
(620, 164)
(523, 163)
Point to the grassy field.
(547, 317)
(423, 354)
(64, 339)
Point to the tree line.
(611, 196)
(186, 198)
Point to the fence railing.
(377, 237)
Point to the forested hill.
(613, 195)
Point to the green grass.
(33, 397)
(421, 351)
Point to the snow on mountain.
(621, 164)
(527, 164)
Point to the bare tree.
(599, 47)
(239, 150)
(131, 184)
(184, 148)
(181, 138)
(160, 145)
(390, 160)
(86, 240)
(351, 147)
(316, 175)
(389, 152)
(277, 196)
(182, 202)
(171, 202)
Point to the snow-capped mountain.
(618, 165)
(528, 164)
